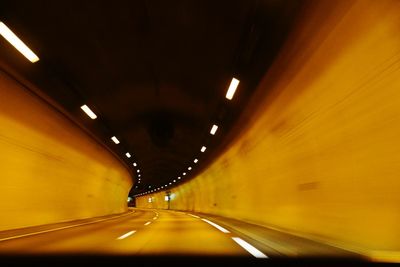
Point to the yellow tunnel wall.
(320, 157)
(51, 170)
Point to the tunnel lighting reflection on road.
(17, 43)
(115, 140)
(88, 112)
(134, 164)
(195, 160)
(203, 148)
(252, 250)
(128, 155)
(232, 88)
(214, 129)
(222, 229)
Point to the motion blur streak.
(42, 151)
(320, 156)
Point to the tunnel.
(200, 132)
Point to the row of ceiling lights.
(229, 95)
(32, 57)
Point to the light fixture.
(203, 148)
(17, 43)
(138, 171)
(232, 88)
(128, 155)
(88, 112)
(170, 183)
(184, 173)
(134, 164)
(179, 178)
(174, 181)
(195, 160)
(214, 129)
(139, 175)
(115, 140)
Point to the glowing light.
(195, 160)
(128, 155)
(252, 250)
(134, 164)
(17, 43)
(88, 112)
(115, 140)
(138, 171)
(232, 88)
(179, 178)
(184, 173)
(147, 223)
(166, 198)
(189, 168)
(214, 129)
(203, 148)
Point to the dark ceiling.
(155, 72)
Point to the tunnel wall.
(51, 170)
(320, 156)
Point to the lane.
(144, 232)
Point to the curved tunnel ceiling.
(154, 72)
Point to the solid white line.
(216, 226)
(194, 216)
(58, 229)
(126, 235)
(252, 250)
(147, 223)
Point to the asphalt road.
(140, 232)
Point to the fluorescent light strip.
(252, 250)
(115, 140)
(128, 155)
(17, 43)
(232, 88)
(88, 112)
(126, 235)
(214, 129)
(216, 226)
(203, 148)
(147, 223)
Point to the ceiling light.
(17, 43)
(195, 160)
(179, 178)
(115, 140)
(138, 171)
(214, 129)
(184, 173)
(174, 181)
(232, 88)
(170, 183)
(203, 148)
(189, 168)
(134, 164)
(138, 175)
(89, 112)
(128, 155)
